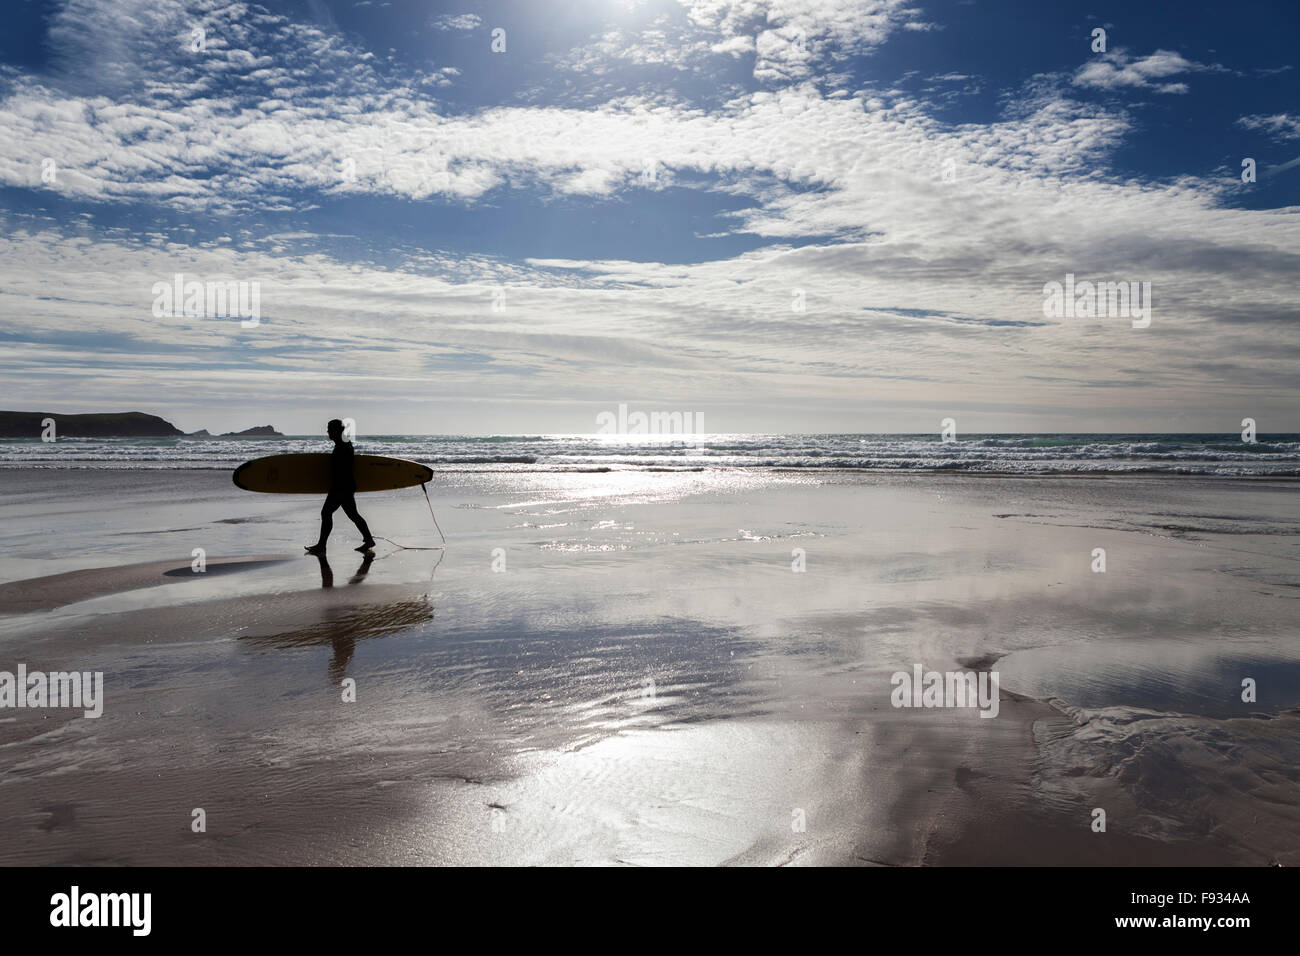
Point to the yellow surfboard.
(308, 473)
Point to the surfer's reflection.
(345, 646)
(344, 621)
(327, 573)
(344, 642)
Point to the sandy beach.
(627, 668)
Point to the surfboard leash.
(431, 514)
(404, 547)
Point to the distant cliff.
(106, 425)
(109, 425)
(261, 431)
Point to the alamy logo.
(102, 909)
(948, 689)
(654, 423)
(37, 689)
(1097, 300)
(212, 299)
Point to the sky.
(783, 215)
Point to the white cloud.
(1280, 125)
(460, 22)
(792, 40)
(1117, 69)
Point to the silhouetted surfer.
(343, 487)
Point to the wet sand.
(645, 679)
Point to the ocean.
(1273, 456)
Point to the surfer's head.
(335, 429)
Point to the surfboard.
(309, 474)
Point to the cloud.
(460, 22)
(666, 44)
(791, 40)
(1117, 70)
(1282, 126)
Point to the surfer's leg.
(350, 509)
(326, 522)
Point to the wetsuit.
(343, 486)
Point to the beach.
(654, 667)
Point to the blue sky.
(625, 204)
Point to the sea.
(1222, 455)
